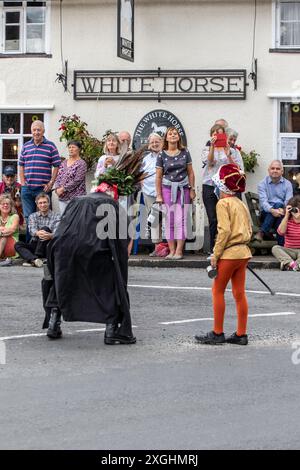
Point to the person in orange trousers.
(230, 256)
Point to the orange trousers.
(234, 270)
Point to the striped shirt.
(37, 161)
(292, 234)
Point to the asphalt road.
(164, 392)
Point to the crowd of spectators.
(170, 182)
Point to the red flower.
(238, 147)
(62, 128)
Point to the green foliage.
(250, 160)
(74, 129)
(126, 183)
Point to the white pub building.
(185, 63)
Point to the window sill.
(286, 50)
(16, 56)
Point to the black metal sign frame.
(126, 22)
(160, 84)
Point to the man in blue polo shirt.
(274, 192)
(37, 158)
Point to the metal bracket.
(253, 74)
(63, 77)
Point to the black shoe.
(54, 329)
(235, 339)
(119, 339)
(211, 338)
(111, 336)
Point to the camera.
(221, 140)
(294, 210)
(212, 272)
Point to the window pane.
(290, 24)
(35, 15)
(10, 123)
(293, 175)
(35, 38)
(290, 34)
(29, 119)
(290, 117)
(10, 149)
(295, 161)
(36, 4)
(12, 17)
(12, 38)
(12, 4)
(290, 11)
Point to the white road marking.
(288, 294)
(36, 335)
(276, 314)
(90, 329)
(33, 335)
(184, 321)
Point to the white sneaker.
(38, 263)
(27, 265)
(6, 262)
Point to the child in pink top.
(289, 254)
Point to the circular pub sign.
(156, 121)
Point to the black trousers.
(210, 202)
(34, 249)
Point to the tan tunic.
(234, 229)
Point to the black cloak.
(89, 274)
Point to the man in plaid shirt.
(42, 226)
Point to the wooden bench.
(254, 209)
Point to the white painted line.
(276, 314)
(288, 294)
(91, 329)
(184, 321)
(33, 335)
(36, 335)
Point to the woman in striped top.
(289, 254)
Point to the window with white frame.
(15, 130)
(289, 141)
(23, 28)
(288, 24)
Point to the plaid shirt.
(37, 220)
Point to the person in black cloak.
(87, 260)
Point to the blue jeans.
(28, 196)
(269, 222)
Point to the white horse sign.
(126, 29)
(156, 121)
(159, 84)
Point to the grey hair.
(229, 131)
(277, 161)
(154, 134)
(40, 123)
(225, 123)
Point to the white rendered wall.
(171, 35)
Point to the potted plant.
(250, 160)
